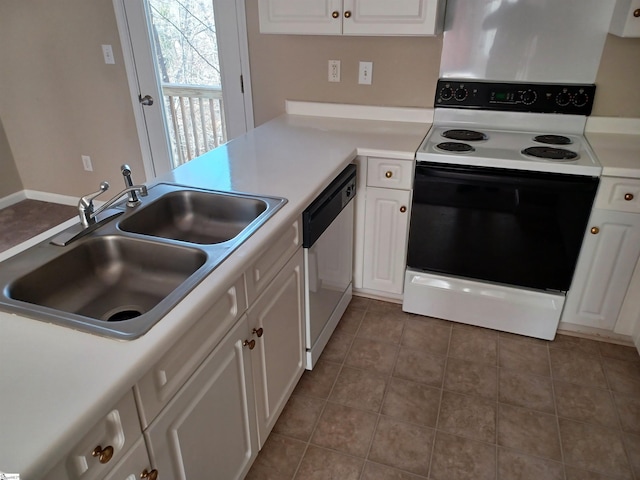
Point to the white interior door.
(181, 117)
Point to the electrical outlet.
(107, 53)
(334, 70)
(86, 162)
(365, 73)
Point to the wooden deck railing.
(196, 120)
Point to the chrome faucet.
(88, 213)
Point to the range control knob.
(563, 98)
(580, 99)
(461, 93)
(446, 93)
(529, 97)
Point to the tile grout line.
(444, 375)
(555, 409)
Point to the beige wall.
(9, 179)
(618, 81)
(58, 99)
(294, 67)
(405, 71)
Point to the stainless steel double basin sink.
(120, 278)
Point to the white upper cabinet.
(626, 19)
(352, 17)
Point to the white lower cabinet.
(607, 259)
(208, 430)
(386, 229)
(276, 322)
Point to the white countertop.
(616, 143)
(57, 382)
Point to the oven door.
(512, 227)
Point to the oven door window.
(512, 227)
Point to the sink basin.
(109, 279)
(194, 216)
(121, 276)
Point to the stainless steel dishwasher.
(328, 259)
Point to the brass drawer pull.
(335, 14)
(403, 209)
(388, 174)
(249, 343)
(149, 475)
(628, 197)
(104, 454)
(347, 14)
(636, 12)
(258, 331)
(595, 230)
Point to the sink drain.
(123, 313)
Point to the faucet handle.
(85, 205)
(87, 200)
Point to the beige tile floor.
(403, 397)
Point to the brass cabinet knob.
(104, 454)
(150, 475)
(595, 230)
(628, 197)
(403, 209)
(258, 332)
(388, 174)
(347, 14)
(636, 12)
(335, 14)
(249, 343)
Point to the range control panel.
(574, 99)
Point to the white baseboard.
(51, 197)
(36, 195)
(12, 199)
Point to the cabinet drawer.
(389, 173)
(272, 260)
(166, 377)
(622, 194)
(115, 432)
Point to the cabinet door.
(399, 17)
(277, 324)
(385, 239)
(607, 259)
(208, 429)
(311, 17)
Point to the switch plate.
(365, 73)
(107, 53)
(86, 162)
(334, 70)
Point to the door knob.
(147, 100)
